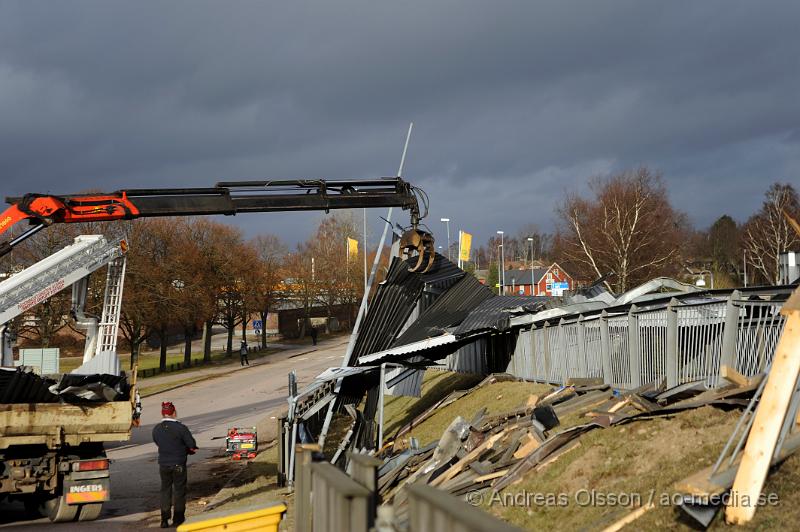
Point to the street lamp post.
(502, 276)
(447, 221)
(499, 272)
(532, 283)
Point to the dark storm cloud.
(514, 103)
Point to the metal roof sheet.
(394, 301)
(403, 351)
(495, 313)
(448, 311)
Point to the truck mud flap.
(87, 491)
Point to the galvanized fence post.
(302, 496)
(583, 362)
(532, 353)
(364, 470)
(546, 350)
(730, 332)
(605, 349)
(339, 502)
(634, 352)
(672, 344)
(564, 352)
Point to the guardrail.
(328, 499)
(681, 339)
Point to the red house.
(551, 281)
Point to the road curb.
(201, 379)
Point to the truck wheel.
(90, 512)
(58, 511)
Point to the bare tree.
(767, 233)
(336, 281)
(301, 281)
(628, 229)
(266, 293)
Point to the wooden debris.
(527, 447)
(733, 376)
(501, 449)
(769, 416)
(492, 476)
(532, 401)
(562, 394)
(630, 518)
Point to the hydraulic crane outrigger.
(228, 198)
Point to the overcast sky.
(514, 102)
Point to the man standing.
(243, 354)
(313, 334)
(174, 443)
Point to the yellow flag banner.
(466, 244)
(352, 247)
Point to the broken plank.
(733, 376)
(630, 518)
(491, 476)
(527, 448)
(472, 455)
(768, 420)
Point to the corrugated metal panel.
(405, 352)
(448, 311)
(404, 381)
(395, 300)
(495, 313)
(20, 385)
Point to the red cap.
(167, 409)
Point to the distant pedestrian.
(175, 442)
(243, 353)
(313, 333)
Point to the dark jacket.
(174, 442)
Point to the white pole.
(744, 263)
(499, 270)
(365, 251)
(460, 265)
(531, 241)
(448, 239)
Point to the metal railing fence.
(681, 339)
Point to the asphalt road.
(208, 408)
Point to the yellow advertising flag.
(352, 247)
(466, 244)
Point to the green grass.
(496, 398)
(146, 391)
(150, 360)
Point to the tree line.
(192, 274)
(626, 231)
